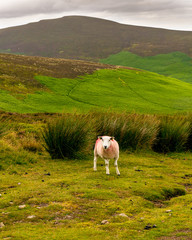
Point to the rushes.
(173, 134)
(138, 132)
(67, 136)
(73, 136)
(132, 131)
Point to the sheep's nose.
(105, 147)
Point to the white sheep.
(107, 148)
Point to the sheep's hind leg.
(107, 166)
(116, 166)
(95, 163)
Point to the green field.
(119, 89)
(50, 199)
(176, 64)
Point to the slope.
(80, 37)
(176, 64)
(17, 72)
(117, 89)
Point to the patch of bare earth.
(182, 234)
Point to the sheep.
(107, 148)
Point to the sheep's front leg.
(116, 166)
(107, 166)
(95, 163)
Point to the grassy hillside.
(118, 89)
(176, 64)
(80, 37)
(33, 84)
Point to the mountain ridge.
(79, 37)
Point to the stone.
(104, 222)
(22, 206)
(123, 215)
(2, 225)
(31, 217)
(168, 211)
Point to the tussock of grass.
(173, 134)
(67, 136)
(132, 131)
(73, 135)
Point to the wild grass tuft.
(132, 131)
(173, 134)
(67, 137)
(138, 131)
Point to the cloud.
(18, 8)
(129, 11)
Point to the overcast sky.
(170, 14)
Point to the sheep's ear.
(99, 137)
(112, 138)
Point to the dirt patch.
(183, 234)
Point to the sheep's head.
(106, 141)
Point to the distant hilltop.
(79, 37)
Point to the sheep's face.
(106, 141)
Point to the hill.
(26, 88)
(17, 72)
(80, 37)
(176, 64)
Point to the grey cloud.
(23, 8)
(160, 13)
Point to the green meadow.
(176, 64)
(45, 198)
(42, 198)
(130, 90)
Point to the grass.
(173, 135)
(132, 131)
(66, 136)
(118, 89)
(17, 72)
(68, 200)
(176, 64)
(72, 135)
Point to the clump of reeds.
(138, 132)
(67, 136)
(173, 134)
(132, 131)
